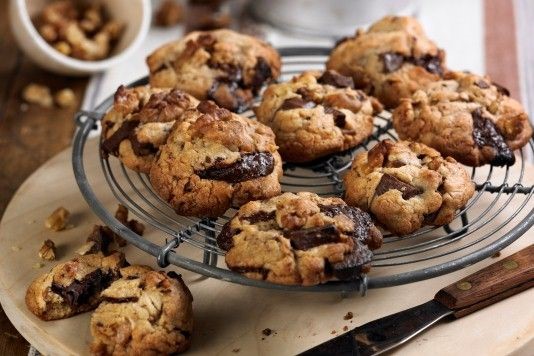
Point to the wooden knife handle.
(496, 282)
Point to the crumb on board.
(267, 331)
(496, 254)
(333, 332)
(345, 328)
(48, 251)
(236, 350)
(38, 265)
(16, 248)
(348, 316)
(38, 94)
(58, 220)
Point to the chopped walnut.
(38, 94)
(48, 32)
(65, 98)
(169, 13)
(58, 220)
(63, 48)
(48, 251)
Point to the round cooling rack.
(497, 215)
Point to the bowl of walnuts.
(79, 37)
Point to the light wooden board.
(230, 317)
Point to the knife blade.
(485, 287)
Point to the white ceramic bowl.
(136, 14)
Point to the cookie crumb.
(65, 98)
(496, 254)
(345, 328)
(16, 248)
(86, 248)
(333, 332)
(236, 350)
(348, 316)
(58, 220)
(38, 265)
(38, 94)
(48, 251)
(267, 331)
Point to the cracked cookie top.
(140, 121)
(390, 60)
(143, 313)
(316, 114)
(222, 65)
(215, 159)
(465, 116)
(406, 185)
(299, 239)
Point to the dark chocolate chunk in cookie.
(296, 103)
(142, 148)
(352, 265)
(392, 61)
(306, 239)
(486, 134)
(249, 166)
(260, 216)
(331, 77)
(432, 64)
(262, 73)
(504, 91)
(389, 182)
(482, 84)
(80, 292)
(339, 116)
(111, 144)
(225, 237)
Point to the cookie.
(391, 60)
(316, 114)
(74, 286)
(465, 116)
(143, 313)
(221, 65)
(214, 160)
(139, 122)
(406, 185)
(299, 239)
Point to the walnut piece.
(48, 251)
(65, 98)
(169, 13)
(38, 94)
(58, 220)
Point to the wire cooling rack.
(483, 227)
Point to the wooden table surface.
(30, 135)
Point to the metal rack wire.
(429, 252)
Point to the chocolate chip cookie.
(74, 286)
(222, 65)
(465, 116)
(316, 114)
(299, 239)
(140, 121)
(406, 185)
(390, 60)
(143, 313)
(215, 159)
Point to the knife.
(485, 287)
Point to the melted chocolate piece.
(225, 239)
(339, 116)
(296, 103)
(306, 239)
(486, 134)
(392, 61)
(174, 275)
(111, 144)
(80, 292)
(352, 265)
(429, 218)
(262, 73)
(260, 216)
(482, 84)
(504, 91)
(228, 94)
(388, 182)
(142, 149)
(250, 166)
(120, 300)
(333, 78)
(242, 270)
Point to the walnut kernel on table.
(58, 220)
(48, 251)
(38, 94)
(65, 98)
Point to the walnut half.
(48, 251)
(58, 220)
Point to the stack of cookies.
(184, 131)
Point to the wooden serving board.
(229, 318)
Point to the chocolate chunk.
(331, 77)
(111, 144)
(388, 182)
(225, 238)
(432, 64)
(80, 292)
(429, 218)
(142, 149)
(249, 166)
(120, 300)
(229, 95)
(482, 84)
(102, 238)
(352, 265)
(364, 229)
(504, 91)
(260, 216)
(339, 116)
(296, 103)
(486, 134)
(262, 73)
(392, 61)
(306, 239)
